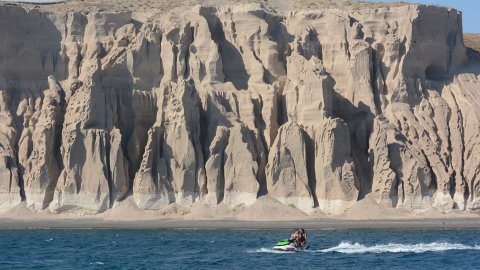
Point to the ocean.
(237, 249)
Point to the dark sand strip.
(324, 224)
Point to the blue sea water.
(248, 249)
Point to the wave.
(356, 248)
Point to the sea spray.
(357, 248)
(348, 248)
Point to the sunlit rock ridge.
(226, 104)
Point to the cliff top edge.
(178, 6)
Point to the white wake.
(268, 250)
(356, 248)
(348, 248)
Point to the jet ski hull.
(289, 248)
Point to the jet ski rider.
(299, 237)
(302, 237)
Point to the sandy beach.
(324, 224)
(265, 214)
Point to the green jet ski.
(289, 246)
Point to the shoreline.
(232, 224)
(265, 215)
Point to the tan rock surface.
(42, 169)
(300, 103)
(10, 192)
(287, 177)
(240, 168)
(401, 173)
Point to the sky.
(470, 11)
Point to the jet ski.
(289, 246)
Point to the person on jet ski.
(302, 237)
(299, 237)
(294, 235)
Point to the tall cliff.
(225, 104)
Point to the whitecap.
(349, 248)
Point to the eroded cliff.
(225, 104)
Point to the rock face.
(287, 177)
(401, 174)
(40, 155)
(225, 104)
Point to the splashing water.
(348, 248)
(356, 248)
(268, 250)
